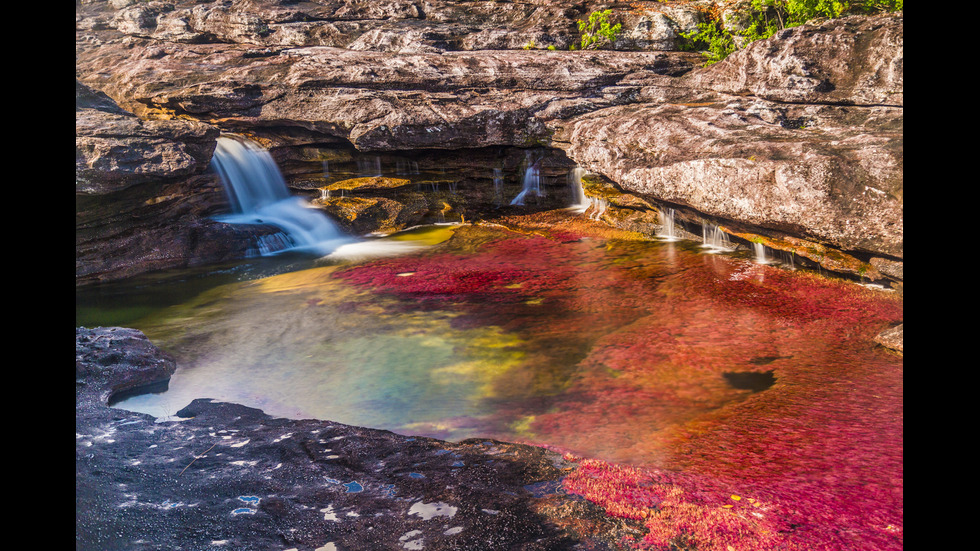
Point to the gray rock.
(227, 475)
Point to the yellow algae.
(426, 235)
(522, 426)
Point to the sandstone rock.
(798, 135)
(818, 171)
(143, 194)
(398, 27)
(849, 61)
(893, 338)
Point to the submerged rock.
(229, 475)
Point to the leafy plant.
(712, 40)
(598, 31)
(765, 17)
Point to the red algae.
(630, 342)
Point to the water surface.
(608, 347)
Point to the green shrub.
(598, 32)
(766, 17)
(712, 40)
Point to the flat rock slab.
(227, 476)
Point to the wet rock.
(799, 135)
(892, 338)
(143, 194)
(225, 474)
(817, 157)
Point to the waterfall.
(714, 239)
(668, 230)
(405, 168)
(580, 203)
(498, 185)
(598, 205)
(532, 182)
(760, 253)
(369, 167)
(258, 195)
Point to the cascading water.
(258, 195)
(498, 185)
(580, 203)
(714, 239)
(668, 230)
(369, 167)
(532, 183)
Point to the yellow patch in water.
(426, 235)
(523, 425)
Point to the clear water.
(599, 346)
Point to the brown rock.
(143, 194)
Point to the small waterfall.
(760, 254)
(369, 167)
(598, 205)
(406, 168)
(580, 203)
(258, 195)
(714, 239)
(532, 183)
(668, 229)
(498, 185)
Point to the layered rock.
(801, 134)
(143, 194)
(798, 136)
(402, 26)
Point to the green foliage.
(712, 40)
(765, 17)
(799, 11)
(598, 31)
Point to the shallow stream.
(601, 344)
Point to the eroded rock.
(799, 135)
(144, 194)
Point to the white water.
(714, 239)
(580, 203)
(258, 195)
(532, 183)
(668, 230)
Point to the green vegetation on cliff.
(721, 34)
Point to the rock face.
(799, 136)
(227, 475)
(143, 194)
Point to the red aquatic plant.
(635, 381)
